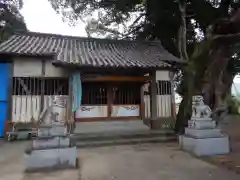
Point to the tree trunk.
(207, 72)
(185, 108)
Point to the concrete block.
(203, 133)
(43, 131)
(212, 146)
(49, 142)
(187, 143)
(51, 158)
(203, 124)
(58, 130)
(52, 131)
(206, 146)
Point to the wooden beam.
(114, 78)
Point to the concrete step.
(120, 138)
(120, 134)
(124, 142)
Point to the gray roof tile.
(90, 51)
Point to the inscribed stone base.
(203, 124)
(49, 142)
(52, 130)
(51, 158)
(203, 133)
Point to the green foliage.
(10, 18)
(151, 19)
(233, 103)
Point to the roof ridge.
(155, 42)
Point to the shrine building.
(120, 79)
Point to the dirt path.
(152, 161)
(138, 162)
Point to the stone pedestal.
(202, 137)
(51, 149)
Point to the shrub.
(233, 103)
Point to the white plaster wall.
(162, 75)
(92, 111)
(125, 110)
(163, 106)
(27, 108)
(25, 67)
(53, 71)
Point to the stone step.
(205, 146)
(203, 133)
(112, 135)
(118, 138)
(50, 141)
(124, 142)
(51, 158)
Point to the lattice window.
(163, 88)
(35, 86)
(94, 93)
(126, 93)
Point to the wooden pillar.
(153, 98)
(142, 105)
(70, 98)
(109, 99)
(70, 121)
(42, 86)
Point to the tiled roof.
(89, 51)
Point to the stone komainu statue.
(200, 110)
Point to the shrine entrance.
(110, 101)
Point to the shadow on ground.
(231, 126)
(130, 162)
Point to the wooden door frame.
(110, 105)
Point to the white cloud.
(40, 17)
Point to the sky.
(40, 17)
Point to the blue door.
(4, 82)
